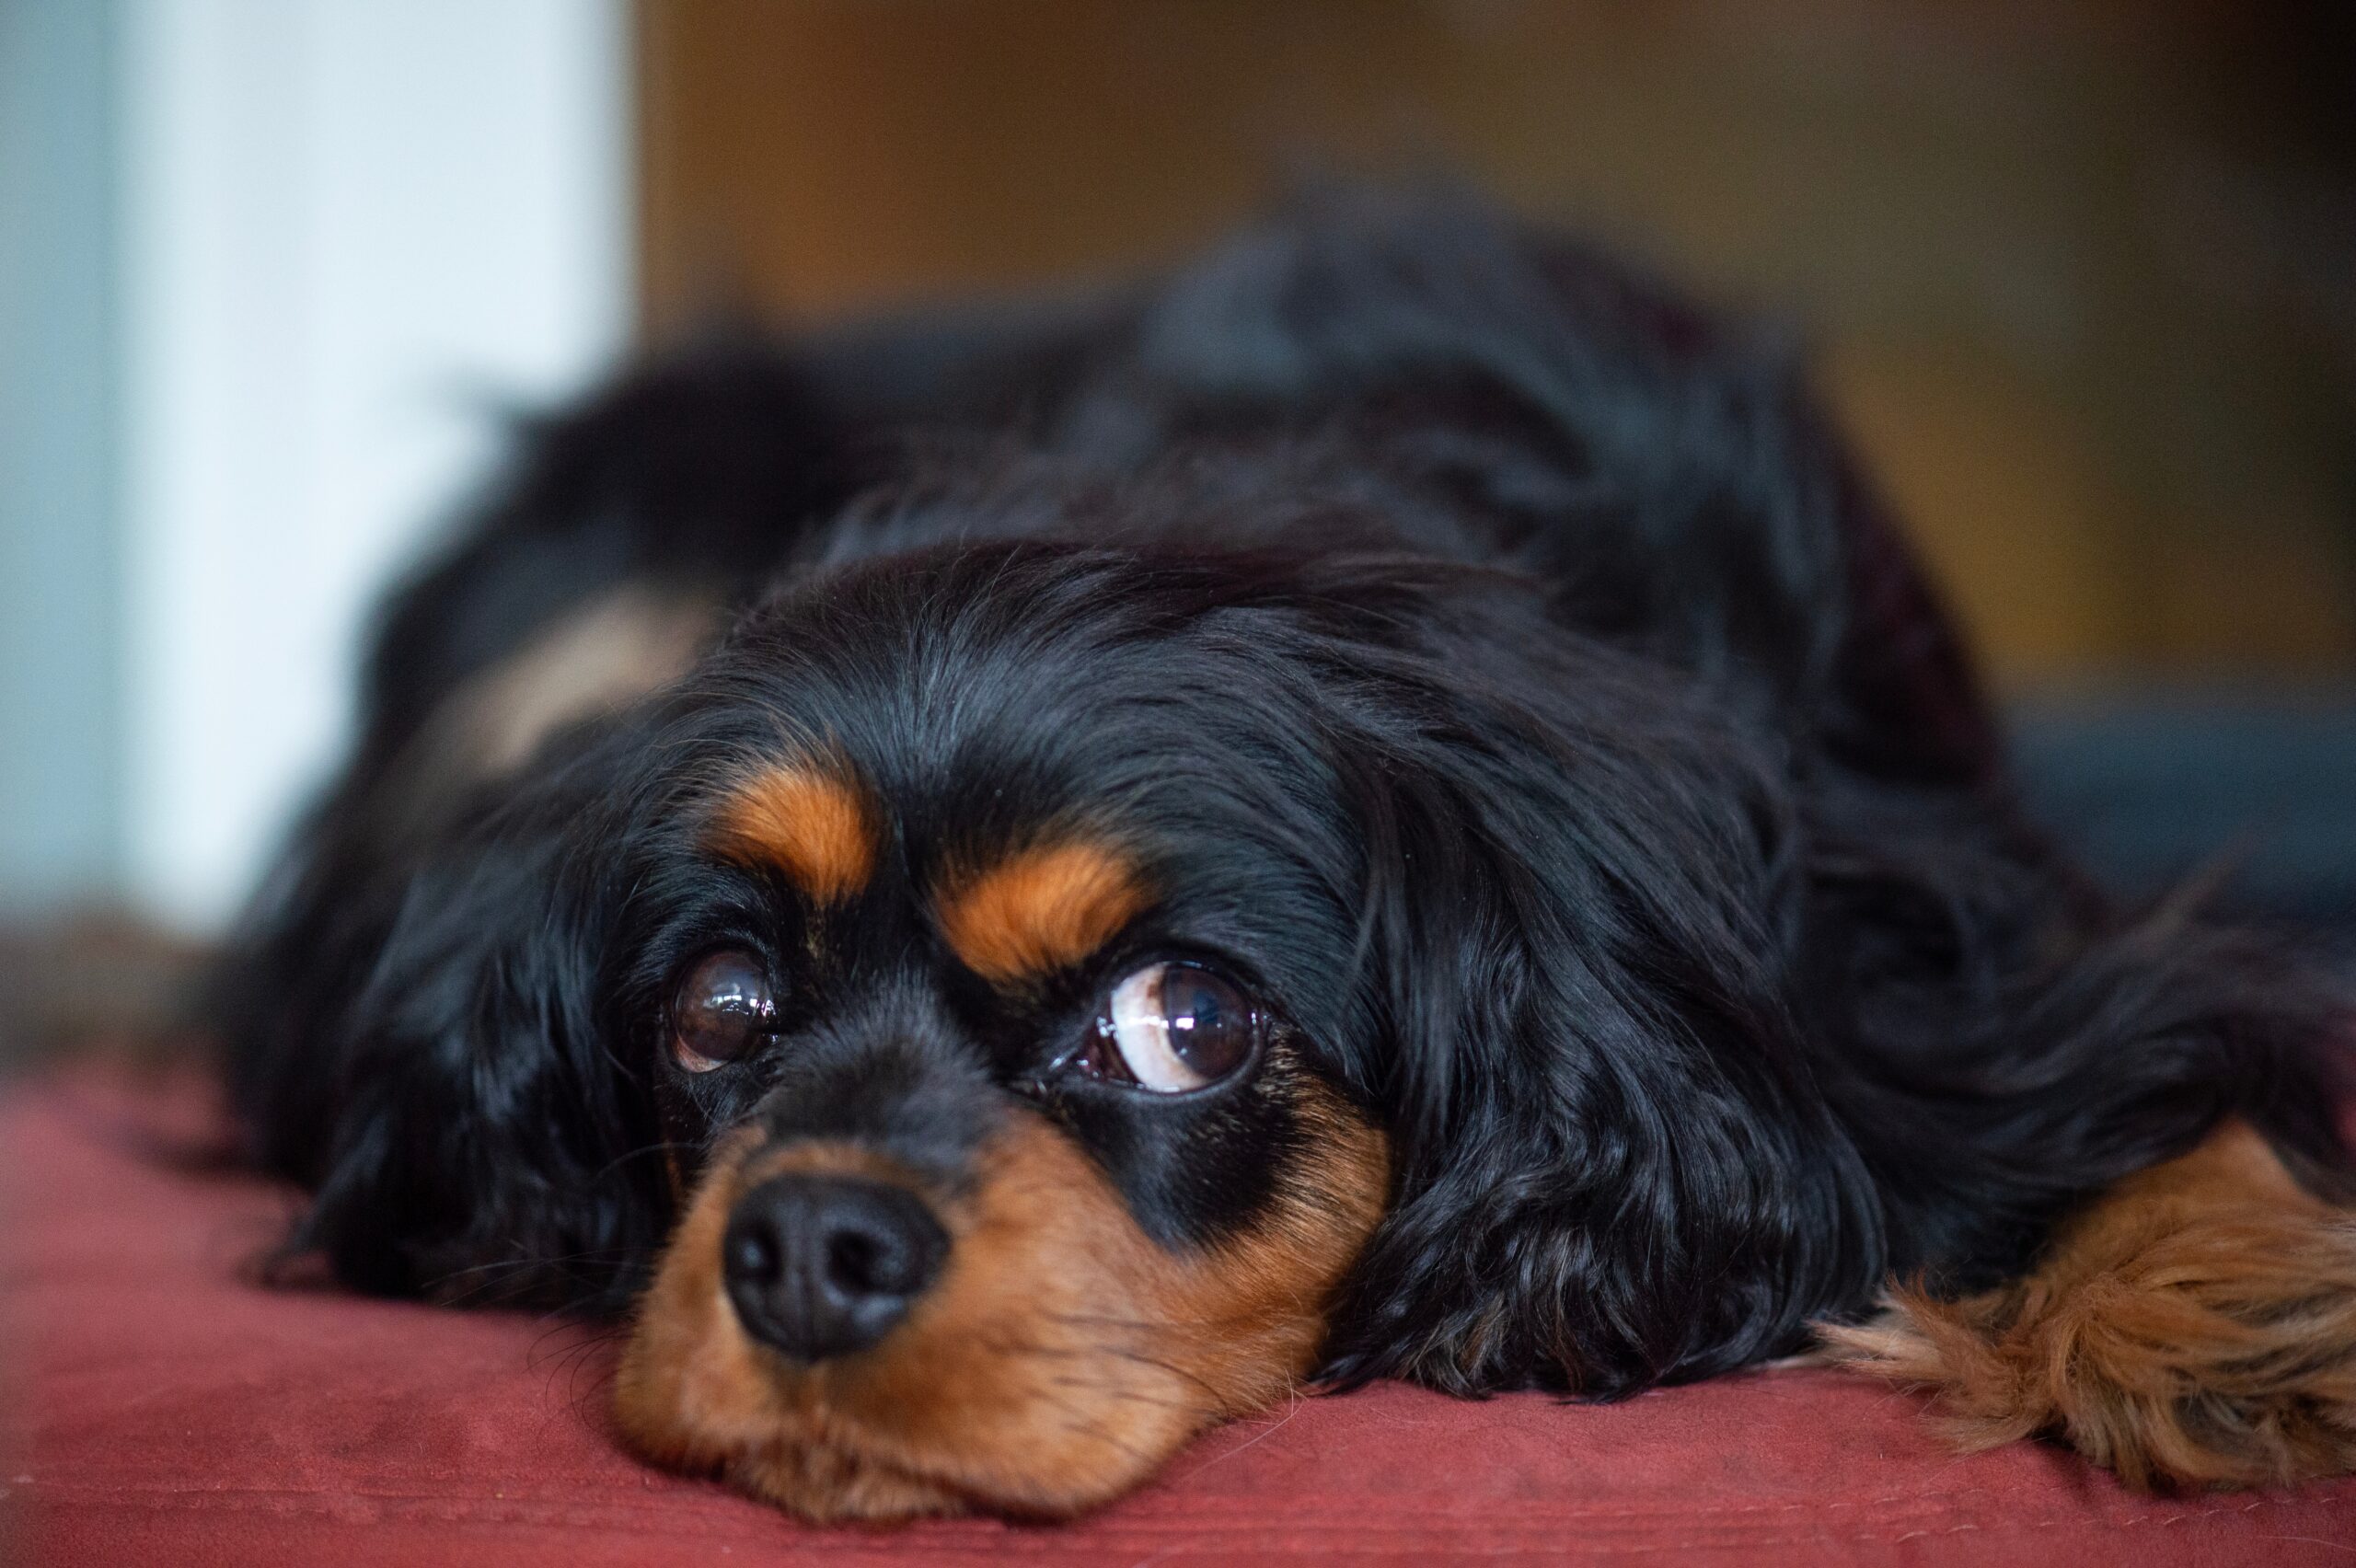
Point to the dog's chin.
(776, 1434)
(895, 1433)
(829, 1464)
(1061, 1357)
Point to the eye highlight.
(723, 1009)
(1171, 1027)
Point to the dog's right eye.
(722, 1011)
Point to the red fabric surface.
(164, 1410)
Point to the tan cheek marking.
(1068, 1355)
(809, 821)
(2196, 1326)
(1061, 1359)
(1040, 910)
(687, 1355)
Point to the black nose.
(824, 1265)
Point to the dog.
(1008, 884)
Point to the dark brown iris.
(1170, 1028)
(723, 1010)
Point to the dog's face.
(989, 983)
(1072, 994)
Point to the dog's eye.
(723, 1009)
(1170, 1028)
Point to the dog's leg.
(2196, 1326)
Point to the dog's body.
(1385, 805)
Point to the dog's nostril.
(851, 1259)
(822, 1266)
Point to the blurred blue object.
(2153, 786)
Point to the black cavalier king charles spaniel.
(1382, 804)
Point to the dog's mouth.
(825, 1333)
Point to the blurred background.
(2080, 275)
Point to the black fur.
(1501, 668)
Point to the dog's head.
(1034, 1001)
(990, 940)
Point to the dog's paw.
(2183, 1334)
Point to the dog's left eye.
(1169, 1028)
(723, 1009)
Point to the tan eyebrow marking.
(1040, 910)
(813, 824)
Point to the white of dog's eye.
(1169, 1028)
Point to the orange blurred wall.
(2036, 248)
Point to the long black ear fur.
(1613, 1166)
(1698, 1034)
(423, 1051)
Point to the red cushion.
(171, 1412)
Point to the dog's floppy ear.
(1612, 1167)
(437, 1068)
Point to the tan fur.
(604, 656)
(1060, 1359)
(596, 660)
(2195, 1327)
(809, 820)
(1040, 910)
